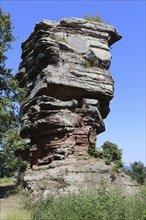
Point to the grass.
(11, 204)
(104, 204)
(86, 63)
(12, 208)
(93, 18)
(14, 214)
(6, 181)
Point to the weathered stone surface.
(73, 175)
(65, 70)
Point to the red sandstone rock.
(65, 70)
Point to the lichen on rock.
(65, 70)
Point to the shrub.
(86, 63)
(12, 143)
(109, 152)
(105, 203)
(94, 152)
(107, 162)
(137, 172)
(118, 164)
(93, 18)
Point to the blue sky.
(125, 125)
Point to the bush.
(107, 162)
(86, 63)
(93, 18)
(109, 152)
(12, 142)
(105, 203)
(94, 152)
(137, 172)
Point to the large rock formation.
(65, 70)
(73, 175)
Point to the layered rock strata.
(65, 70)
(73, 175)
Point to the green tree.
(111, 151)
(10, 93)
(137, 172)
(9, 89)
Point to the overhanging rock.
(65, 70)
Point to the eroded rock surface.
(73, 175)
(65, 70)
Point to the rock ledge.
(65, 70)
(74, 175)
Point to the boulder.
(73, 175)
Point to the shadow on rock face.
(65, 70)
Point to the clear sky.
(125, 124)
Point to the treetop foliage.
(6, 35)
(11, 95)
(110, 153)
(137, 172)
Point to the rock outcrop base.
(73, 175)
